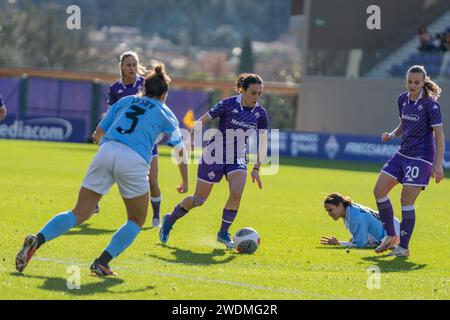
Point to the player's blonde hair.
(140, 69)
(336, 198)
(430, 87)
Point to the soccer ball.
(246, 240)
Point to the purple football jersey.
(232, 117)
(418, 119)
(118, 90)
(2, 103)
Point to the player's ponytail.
(159, 70)
(157, 81)
(430, 88)
(244, 80)
(337, 198)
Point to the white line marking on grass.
(247, 285)
(205, 279)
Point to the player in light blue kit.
(127, 135)
(363, 223)
(420, 156)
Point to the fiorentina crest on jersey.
(211, 175)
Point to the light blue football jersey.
(364, 224)
(138, 121)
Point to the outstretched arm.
(329, 240)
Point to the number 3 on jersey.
(412, 173)
(134, 117)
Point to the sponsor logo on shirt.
(411, 117)
(243, 124)
(235, 111)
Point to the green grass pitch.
(40, 179)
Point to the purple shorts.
(409, 171)
(155, 151)
(213, 173)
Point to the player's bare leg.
(58, 225)
(202, 192)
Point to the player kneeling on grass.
(363, 223)
(127, 135)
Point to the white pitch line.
(205, 279)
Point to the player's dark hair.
(157, 82)
(430, 87)
(337, 198)
(244, 80)
(140, 69)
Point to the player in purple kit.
(415, 162)
(132, 83)
(3, 112)
(225, 154)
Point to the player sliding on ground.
(127, 135)
(363, 223)
(225, 154)
(417, 159)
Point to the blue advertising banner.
(43, 129)
(340, 147)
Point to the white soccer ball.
(246, 240)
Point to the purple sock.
(407, 225)
(156, 204)
(228, 217)
(386, 215)
(177, 213)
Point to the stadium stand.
(432, 58)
